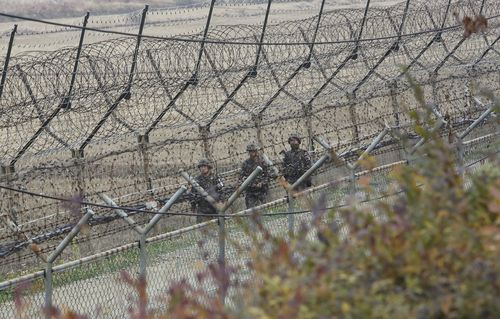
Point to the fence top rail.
(481, 138)
(66, 266)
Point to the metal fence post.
(393, 85)
(67, 100)
(80, 187)
(9, 204)
(365, 153)
(291, 213)
(194, 78)
(126, 93)
(48, 289)
(142, 255)
(204, 134)
(460, 139)
(222, 209)
(143, 149)
(143, 231)
(252, 72)
(307, 174)
(257, 119)
(146, 229)
(235, 196)
(353, 187)
(64, 104)
(9, 169)
(353, 117)
(164, 209)
(307, 110)
(460, 153)
(79, 161)
(434, 129)
(476, 122)
(7, 59)
(395, 132)
(59, 249)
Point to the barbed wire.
(251, 213)
(136, 109)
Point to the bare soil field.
(165, 19)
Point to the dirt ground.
(162, 22)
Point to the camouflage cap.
(252, 146)
(204, 162)
(295, 136)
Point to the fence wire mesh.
(136, 109)
(95, 286)
(133, 148)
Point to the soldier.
(296, 162)
(212, 184)
(256, 192)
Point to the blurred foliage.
(434, 254)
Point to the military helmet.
(294, 136)
(204, 162)
(252, 146)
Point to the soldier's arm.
(263, 177)
(219, 183)
(307, 165)
(307, 160)
(219, 187)
(287, 166)
(243, 173)
(193, 198)
(267, 174)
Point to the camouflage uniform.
(256, 192)
(212, 184)
(295, 163)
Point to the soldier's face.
(294, 143)
(252, 154)
(204, 169)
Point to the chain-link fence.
(122, 111)
(120, 115)
(93, 285)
